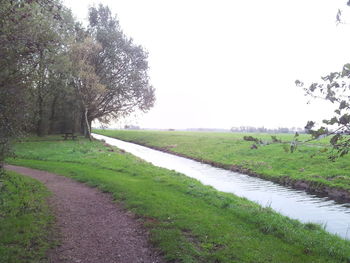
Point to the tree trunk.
(2, 157)
(88, 128)
(82, 123)
(40, 128)
(40, 122)
(53, 115)
(90, 125)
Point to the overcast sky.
(225, 63)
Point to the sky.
(225, 63)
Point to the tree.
(335, 88)
(55, 74)
(51, 60)
(21, 38)
(121, 67)
(87, 84)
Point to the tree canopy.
(58, 76)
(121, 66)
(27, 30)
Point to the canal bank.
(297, 204)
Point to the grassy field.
(308, 163)
(25, 220)
(189, 222)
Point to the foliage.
(43, 64)
(110, 71)
(189, 222)
(275, 139)
(260, 142)
(87, 84)
(251, 129)
(251, 139)
(335, 88)
(121, 67)
(26, 30)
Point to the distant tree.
(250, 129)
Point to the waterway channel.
(297, 204)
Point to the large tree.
(51, 67)
(85, 80)
(122, 69)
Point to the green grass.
(25, 220)
(270, 161)
(189, 222)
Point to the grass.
(25, 220)
(270, 161)
(189, 222)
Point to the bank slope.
(307, 168)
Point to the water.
(290, 202)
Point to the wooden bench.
(69, 135)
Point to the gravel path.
(92, 228)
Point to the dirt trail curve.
(92, 228)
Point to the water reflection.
(287, 201)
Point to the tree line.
(252, 129)
(58, 76)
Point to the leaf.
(338, 17)
(299, 83)
(333, 141)
(346, 70)
(332, 121)
(313, 87)
(309, 125)
(343, 105)
(345, 119)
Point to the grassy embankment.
(25, 220)
(189, 222)
(229, 150)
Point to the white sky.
(225, 63)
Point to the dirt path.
(92, 228)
